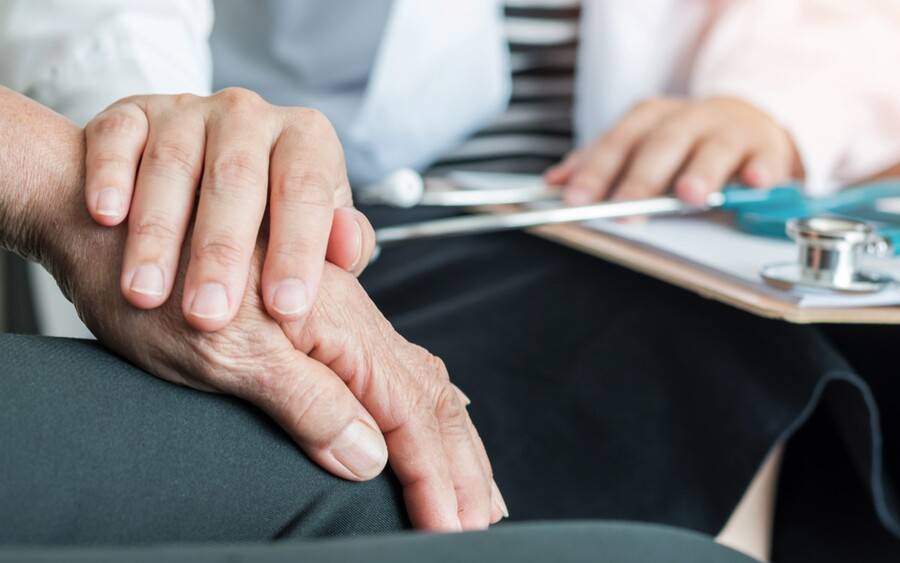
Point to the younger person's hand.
(695, 146)
(149, 156)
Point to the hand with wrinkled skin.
(693, 146)
(350, 391)
(149, 157)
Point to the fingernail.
(693, 188)
(290, 297)
(148, 279)
(109, 202)
(361, 450)
(498, 499)
(358, 240)
(210, 301)
(577, 196)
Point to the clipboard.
(703, 281)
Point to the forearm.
(41, 171)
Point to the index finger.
(115, 139)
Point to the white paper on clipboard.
(708, 241)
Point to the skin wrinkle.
(352, 352)
(310, 396)
(172, 159)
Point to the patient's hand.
(349, 390)
(151, 158)
(695, 146)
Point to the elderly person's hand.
(348, 389)
(693, 146)
(149, 156)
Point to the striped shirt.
(535, 131)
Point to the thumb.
(323, 417)
(352, 240)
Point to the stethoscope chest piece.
(829, 250)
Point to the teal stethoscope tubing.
(769, 216)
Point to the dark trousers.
(96, 452)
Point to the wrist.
(41, 155)
(41, 178)
(57, 212)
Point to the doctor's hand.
(695, 146)
(240, 162)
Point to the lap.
(97, 451)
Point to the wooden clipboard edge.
(697, 280)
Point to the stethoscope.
(832, 234)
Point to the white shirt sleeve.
(77, 57)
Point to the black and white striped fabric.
(536, 130)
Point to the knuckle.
(302, 184)
(637, 184)
(238, 99)
(235, 169)
(305, 408)
(435, 366)
(289, 250)
(595, 174)
(154, 226)
(220, 249)
(172, 158)
(314, 119)
(184, 99)
(616, 139)
(727, 144)
(300, 401)
(449, 410)
(117, 120)
(312, 124)
(111, 159)
(664, 138)
(601, 165)
(586, 179)
(642, 180)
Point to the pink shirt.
(827, 70)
